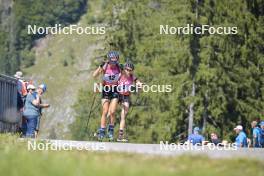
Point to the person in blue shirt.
(42, 88)
(256, 134)
(196, 138)
(241, 139)
(31, 111)
(262, 134)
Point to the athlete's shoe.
(101, 134)
(110, 132)
(121, 137)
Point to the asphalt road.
(158, 149)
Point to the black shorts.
(110, 94)
(124, 98)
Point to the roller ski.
(110, 137)
(121, 137)
(121, 140)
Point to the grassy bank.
(15, 159)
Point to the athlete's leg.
(105, 105)
(124, 111)
(112, 110)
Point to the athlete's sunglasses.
(130, 70)
(113, 62)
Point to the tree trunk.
(191, 111)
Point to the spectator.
(214, 139)
(20, 100)
(21, 85)
(196, 138)
(262, 134)
(256, 134)
(18, 76)
(31, 111)
(241, 139)
(42, 88)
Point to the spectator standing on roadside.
(214, 139)
(42, 88)
(196, 138)
(256, 134)
(262, 134)
(241, 139)
(31, 111)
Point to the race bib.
(109, 78)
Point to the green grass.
(15, 159)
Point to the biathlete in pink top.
(111, 72)
(126, 83)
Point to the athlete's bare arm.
(97, 71)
